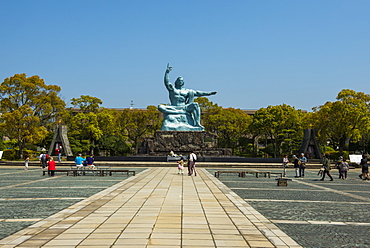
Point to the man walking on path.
(326, 165)
(192, 159)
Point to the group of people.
(47, 161)
(192, 158)
(342, 166)
(299, 164)
(88, 161)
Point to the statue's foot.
(198, 125)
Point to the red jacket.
(51, 165)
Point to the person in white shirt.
(192, 160)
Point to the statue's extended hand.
(213, 93)
(169, 68)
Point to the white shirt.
(192, 157)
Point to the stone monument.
(181, 129)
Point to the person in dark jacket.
(326, 165)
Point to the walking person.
(302, 166)
(192, 159)
(326, 165)
(364, 168)
(285, 164)
(51, 167)
(26, 160)
(343, 168)
(296, 163)
(44, 159)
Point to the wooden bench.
(243, 173)
(110, 172)
(240, 173)
(59, 170)
(277, 173)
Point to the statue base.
(182, 143)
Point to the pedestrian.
(326, 165)
(60, 154)
(343, 168)
(296, 163)
(44, 159)
(302, 166)
(90, 162)
(192, 159)
(365, 168)
(180, 166)
(340, 160)
(285, 164)
(79, 160)
(51, 167)
(26, 160)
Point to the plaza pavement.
(159, 208)
(156, 208)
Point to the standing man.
(44, 159)
(302, 167)
(192, 159)
(326, 166)
(26, 160)
(364, 168)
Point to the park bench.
(110, 172)
(242, 173)
(59, 170)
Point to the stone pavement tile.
(189, 236)
(106, 230)
(260, 244)
(158, 235)
(105, 241)
(131, 242)
(138, 230)
(165, 242)
(139, 235)
(230, 243)
(66, 242)
(77, 230)
(34, 243)
(67, 236)
(195, 230)
(197, 242)
(102, 235)
(45, 236)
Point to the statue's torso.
(178, 97)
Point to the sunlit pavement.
(159, 208)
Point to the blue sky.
(253, 53)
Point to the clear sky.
(254, 53)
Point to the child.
(51, 167)
(180, 166)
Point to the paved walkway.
(156, 208)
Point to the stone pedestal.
(182, 142)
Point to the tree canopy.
(29, 108)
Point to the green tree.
(88, 123)
(136, 124)
(29, 108)
(344, 120)
(279, 125)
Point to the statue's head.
(179, 82)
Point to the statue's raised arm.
(167, 83)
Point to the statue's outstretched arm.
(204, 93)
(167, 83)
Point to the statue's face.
(179, 82)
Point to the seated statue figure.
(183, 114)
